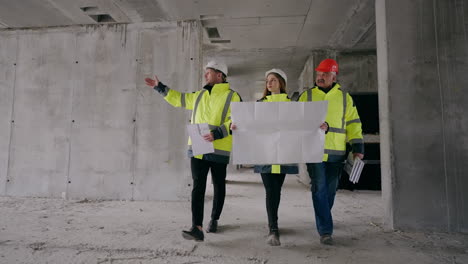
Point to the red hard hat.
(327, 65)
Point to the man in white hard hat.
(210, 105)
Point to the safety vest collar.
(275, 97)
(220, 87)
(335, 87)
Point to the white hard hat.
(278, 71)
(217, 65)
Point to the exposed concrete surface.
(260, 31)
(81, 121)
(71, 231)
(386, 153)
(7, 80)
(425, 66)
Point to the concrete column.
(7, 81)
(422, 70)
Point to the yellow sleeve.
(178, 99)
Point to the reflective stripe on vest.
(200, 95)
(334, 152)
(182, 100)
(226, 106)
(337, 130)
(353, 121)
(357, 141)
(344, 110)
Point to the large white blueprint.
(278, 132)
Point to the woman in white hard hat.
(273, 175)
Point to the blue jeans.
(324, 182)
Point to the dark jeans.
(324, 182)
(273, 184)
(200, 170)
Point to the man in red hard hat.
(344, 126)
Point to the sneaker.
(212, 226)
(273, 238)
(326, 240)
(193, 234)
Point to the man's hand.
(233, 126)
(152, 83)
(324, 126)
(359, 155)
(208, 137)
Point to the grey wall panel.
(358, 71)
(417, 118)
(427, 64)
(40, 134)
(101, 164)
(162, 167)
(82, 128)
(453, 69)
(8, 42)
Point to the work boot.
(273, 238)
(212, 226)
(193, 234)
(326, 240)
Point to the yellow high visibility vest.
(342, 118)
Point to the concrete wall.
(79, 120)
(423, 66)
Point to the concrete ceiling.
(251, 35)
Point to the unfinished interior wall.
(423, 65)
(357, 70)
(8, 42)
(81, 121)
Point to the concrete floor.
(65, 231)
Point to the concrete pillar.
(7, 79)
(422, 54)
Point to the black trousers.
(273, 184)
(200, 170)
